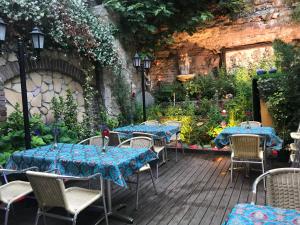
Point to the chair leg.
(157, 170)
(6, 214)
(263, 171)
(137, 191)
(152, 178)
(37, 217)
(105, 210)
(74, 219)
(176, 149)
(231, 171)
(44, 218)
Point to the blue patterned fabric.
(84, 160)
(158, 130)
(247, 214)
(272, 141)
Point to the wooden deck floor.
(195, 190)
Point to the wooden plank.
(183, 192)
(199, 182)
(196, 200)
(235, 194)
(219, 213)
(150, 206)
(171, 193)
(211, 209)
(145, 182)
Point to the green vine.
(69, 24)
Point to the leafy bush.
(165, 92)
(282, 91)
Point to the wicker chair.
(282, 188)
(96, 140)
(151, 123)
(11, 192)
(246, 149)
(158, 147)
(50, 191)
(140, 142)
(250, 124)
(175, 138)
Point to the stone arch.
(10, 71)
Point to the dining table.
(272, 140)
(160, 131)
(113, 163)
(250, 214)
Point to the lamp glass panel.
(2, 31)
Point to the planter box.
(266, 118)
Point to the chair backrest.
(174, 123)
(151, 122)
(95, 140)
(141, 134)
(250, 124)
(282, 188)
(245, 146)
(114, 138)
(48, 189)
(141, 142)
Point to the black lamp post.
(143, 66)
(38, 43)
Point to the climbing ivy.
(152, 23)
(68, 23)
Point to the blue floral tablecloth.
(84, 160)
(158, 130)
(246, 214)
(272, 140)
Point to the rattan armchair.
(151, 123)
(159, 146)
(11, 192)
(250, 124)
(175, 138)
(50, 191)
(140, 142)
(282, 188)
(246, 148)
(96, 140)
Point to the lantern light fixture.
(38, 38)
(137, 60)
(3, 26)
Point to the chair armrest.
(10, 171)
(52, 170)
(124, 142)
(80, 178)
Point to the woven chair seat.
(260, 157)
(293, 147)
(158, 149)
(295, 135)
(145, 168)
(78, 199)
(14, 190)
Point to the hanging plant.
(70, 24)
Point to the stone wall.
(42, 86)
(51, 76)
(227, 42)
